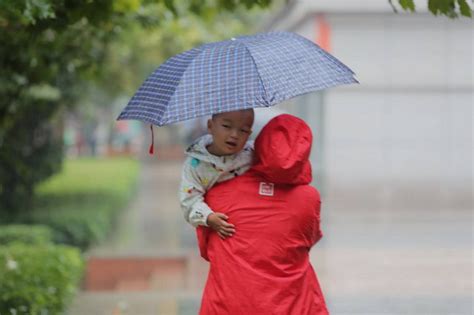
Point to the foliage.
(140, 47)
(26, 234)
(81, 203)
(78, 225)
(449, 8)
(39, 279)
(198, 7)
(46, 47)
(48, 50)
(92, 175)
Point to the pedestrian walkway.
(151, 266)
(371, 261)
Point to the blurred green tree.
(46, 47)
(49, 49)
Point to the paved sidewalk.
(151, 229)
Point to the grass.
(82, 202)
(89, 175)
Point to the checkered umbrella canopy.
(244, 72)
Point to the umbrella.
(259, 70)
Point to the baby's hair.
(246, 109)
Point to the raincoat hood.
(282, 151)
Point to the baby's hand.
(218, 222)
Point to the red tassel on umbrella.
(151, 150)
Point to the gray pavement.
(371, 260)
(395, 260)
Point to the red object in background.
(322, 32)
(264, 267)
(122, 126)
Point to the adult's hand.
(218, 222)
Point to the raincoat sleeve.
(317, 232)
(191, 196)
(202, 234)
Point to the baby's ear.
(209, 125)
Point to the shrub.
(80, 225)
(82, 203)
(38, 280)
(27, 234)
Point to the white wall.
(405, 51)
(407, 128)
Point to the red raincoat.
(264, 268)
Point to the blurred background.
(90, 222)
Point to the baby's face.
(230, 131)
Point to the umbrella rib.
(165, 113)
(258, 73)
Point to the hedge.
(27, 234)
(81, 225)
(38, 279)
(81, 203)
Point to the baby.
(221, 155)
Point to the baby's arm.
(191, 197)
(195, 210)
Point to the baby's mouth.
(230, 143)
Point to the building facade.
(403, 136)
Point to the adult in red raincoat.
(264, 267)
